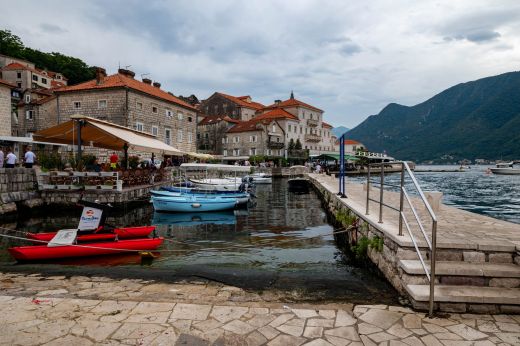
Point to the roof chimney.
(126, 72)
(101, 73)
(277, 102)
(292, 95)
(157, 84)
(147, 81)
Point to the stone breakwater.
(478, 258)
(78, 310)
(18, 186)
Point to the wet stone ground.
(80, 310)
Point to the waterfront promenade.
(38, 310)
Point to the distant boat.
(261, 178)
(505, 169)
(219, 184)
(295, 182)
(193, 203)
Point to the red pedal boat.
(43, 252)
(120, 233)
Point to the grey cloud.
(52, 29)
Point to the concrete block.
(501, 258)
(464, 280)
(434, 198)
(483, 308)
(474, 257)
(449, 255)
(510, 309)
(504, 282)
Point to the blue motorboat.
(194, 219)
(240, 197)
(193, 203)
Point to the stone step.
(466, 294)
(453, 268)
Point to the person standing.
(10, 159)
(113, 161)
(1, 158)
(29, 158)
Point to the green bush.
(133, 161)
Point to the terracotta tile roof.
(217, 118)
(293, 103)
(17, 66)
(349, 141)
(56, 84)
(120, 81)
(326, 125)
(241, 101)
(276, 113)
(244, 126)
(6, 83)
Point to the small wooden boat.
(297, 183)
(219, 184)
(193, 203)
(117, 233)
(44, 252)
(239, 197)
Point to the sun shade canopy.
(102, 134)
(201, 156)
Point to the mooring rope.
(335, 231)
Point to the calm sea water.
(474, 190)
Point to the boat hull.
(192, 203)
(239, 197)
(42, 252)
(121, 233)
(505, 171)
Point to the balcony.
(312, 138)
(275, 145)
(312, 122)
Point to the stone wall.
(17, 189)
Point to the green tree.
(291, 145)
(298, 145)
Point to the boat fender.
(196, 205)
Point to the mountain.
(478, 119)
(338, 131)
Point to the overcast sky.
(349, 58)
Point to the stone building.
(33, 111)
(236, 107)
(27, 76)
(5, 107)
(263, 137)
(211, 130)
(123, 100)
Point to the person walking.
(29, 158)
(1, 158)
(10, 159)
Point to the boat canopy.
(201, 156)
(335, 157)
(214, 167)
(102, 134)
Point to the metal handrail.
(404, 196)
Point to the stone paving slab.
(59, 317)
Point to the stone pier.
(478, 257)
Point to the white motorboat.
(219, 184)
(261, 178)
(505, 168)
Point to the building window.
(223, 140)
(237, 152)
(301, 130)
(139, 106)
(269, 153)
(289, 128)
(236, 139)
(35, 78)
(252, 151)
(77, 105)
(225, 152)
(167, 136)
(168, 113)
(139, 126)
(154, 109)
(155, 131)
(190, 137)
(29, 114)
(252, 139)
(102, 104)
(179, 136)
(19, 84)
(44, 80)
(180, 116)
(274, 128)
(19, 75)
(190, 119)
(28, 98)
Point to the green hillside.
(479, 119)
(74, 69)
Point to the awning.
(102, 134)
(201, 156)
(335, 157)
